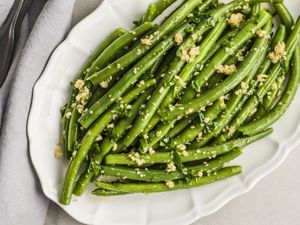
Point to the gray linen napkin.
(26, 27)
(22, 201)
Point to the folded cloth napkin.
(22, 201)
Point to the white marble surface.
(273, 201)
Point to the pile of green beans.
(166, 106)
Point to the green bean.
(153, 103)
(176, 185)
(107, 42)
(64, 132)
(148, 175)
(174, 129)
(89, 138)
(214, 164)
(277, 69)
(162, 69)
(226, 86)
(204, 48)
(193, 154)
(285, 16)
(172, 22)
(250, 108)
(119, 129)
(236, 102)
(181, 124)
(219, 44)
(162, 130)
(188, 134)
(155, 9)
(108, 54)
(273, 94)
(163, 89)
(98, 93)
(218, 78)
(106, 146)
(246, 33)
(262, 1)
(83, 181)
(279, 36)
(255, 11)
(234, 105)
(73, 130)
(275, 91)
(152, 175)
(196, 128)
(69, 144)
(269, 100)
(103, 192)
(186, 74)
(129, 78)
(215, 15)
(284, 102)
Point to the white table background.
(274, 201)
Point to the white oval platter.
(179, 207)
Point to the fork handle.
(9, 33)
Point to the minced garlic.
(161, 90)
(193, 52)
(184, 56)
(104, 84)
(178, 38)
(200, 174)
(58, 152)
(181, 147)
(274, 86)
(235, 19)
(171, 167)
(114, 146)
(226, 69)
(194, 37)
(83, 96)
(190, 55)
(185, 153)
(151, 151)
(99, 138)
(145, 136)
(261, 78)
(68, 115)
(158, 133)
(80, 108)
(79, 84)
(278, 53)
(243, 90)
(146, 41)
(179, 81)
(111, 125)
(136, 158)
(261, 33)
(199, 136)
(240, 55)
(231, 131)
(170, 184)
(244, 86)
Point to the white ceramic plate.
(179, 207)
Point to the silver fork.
(9, 34)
